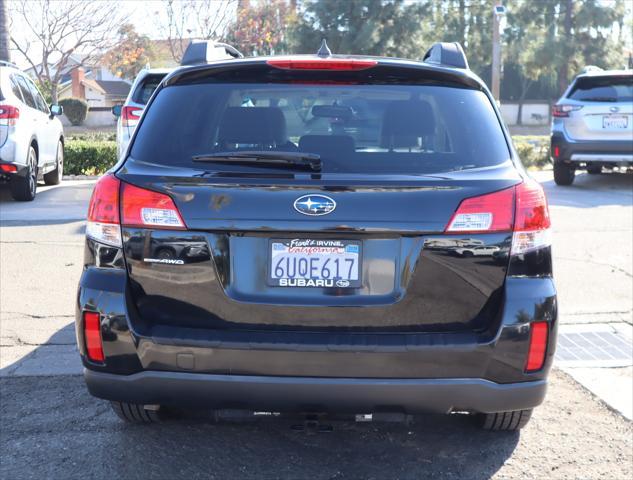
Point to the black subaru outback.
(320, 233)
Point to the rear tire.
(563, 174)
(505, 421)
(54, 177)
(594, 169)
(134, 413)
(23, 188)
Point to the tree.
(4, 32)
(55, 30)
(130, 54)
(261, 29)
(187, 19)
(366, 27)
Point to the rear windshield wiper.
(599, 99)
(311, 161)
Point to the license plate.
(615, 121)
(304, 262)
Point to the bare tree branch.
(63, 28)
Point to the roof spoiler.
(205, 51)
(448, 54)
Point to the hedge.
(533, 150)
(75, 110)
(88, 157)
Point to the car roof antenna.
(324, 50)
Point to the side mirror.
(116, 110)
(56, 110)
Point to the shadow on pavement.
(52, 424)
(590, 191)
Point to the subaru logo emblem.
(314, 205)
(614, 109)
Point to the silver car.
(130, 112)
(592, 124)
(31, 137)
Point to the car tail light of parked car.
(564, 110)
(538, 347)
(130, 116)
(92, 336)
(9, 115)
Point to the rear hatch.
(318, 206)
(603, 108)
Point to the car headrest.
(258, 125)
(327, 144)
(404, 122)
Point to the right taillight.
(9, 115)
(521, 209)
(130, 116)
(564, 110)
(531, 219)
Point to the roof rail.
(449, 54)
(6, 63)
(204, 51)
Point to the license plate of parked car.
(615, 121)
(305, 262)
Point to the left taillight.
(130, 116)
(104, 224)
(92, 336)
(115, 203)
(9, 115)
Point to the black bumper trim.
(301, 394)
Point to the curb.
(81, 177)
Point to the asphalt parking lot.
(51, 428)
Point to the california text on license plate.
(304, 262)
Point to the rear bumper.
(309, 394)
(591, 151)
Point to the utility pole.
(498, 12)
(5, 54)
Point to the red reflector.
(556, 151)
(324, 64)
(8, 168)
(538, 346)
(492, 212)
(531, 207)
(142, 208)
(104, 203)
(92, 334)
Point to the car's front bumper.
(310, 394)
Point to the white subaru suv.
(592, 125)
(31, 137)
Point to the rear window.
(603, 89)
(146, 87)
(386, 129)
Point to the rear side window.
(26, 92)
(603, 89)
(146, 87)
(15, 88)
(385, 129)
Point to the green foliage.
(88, 157)
(45, 89)
(533, 150)
(131, 53)
(75, 109)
